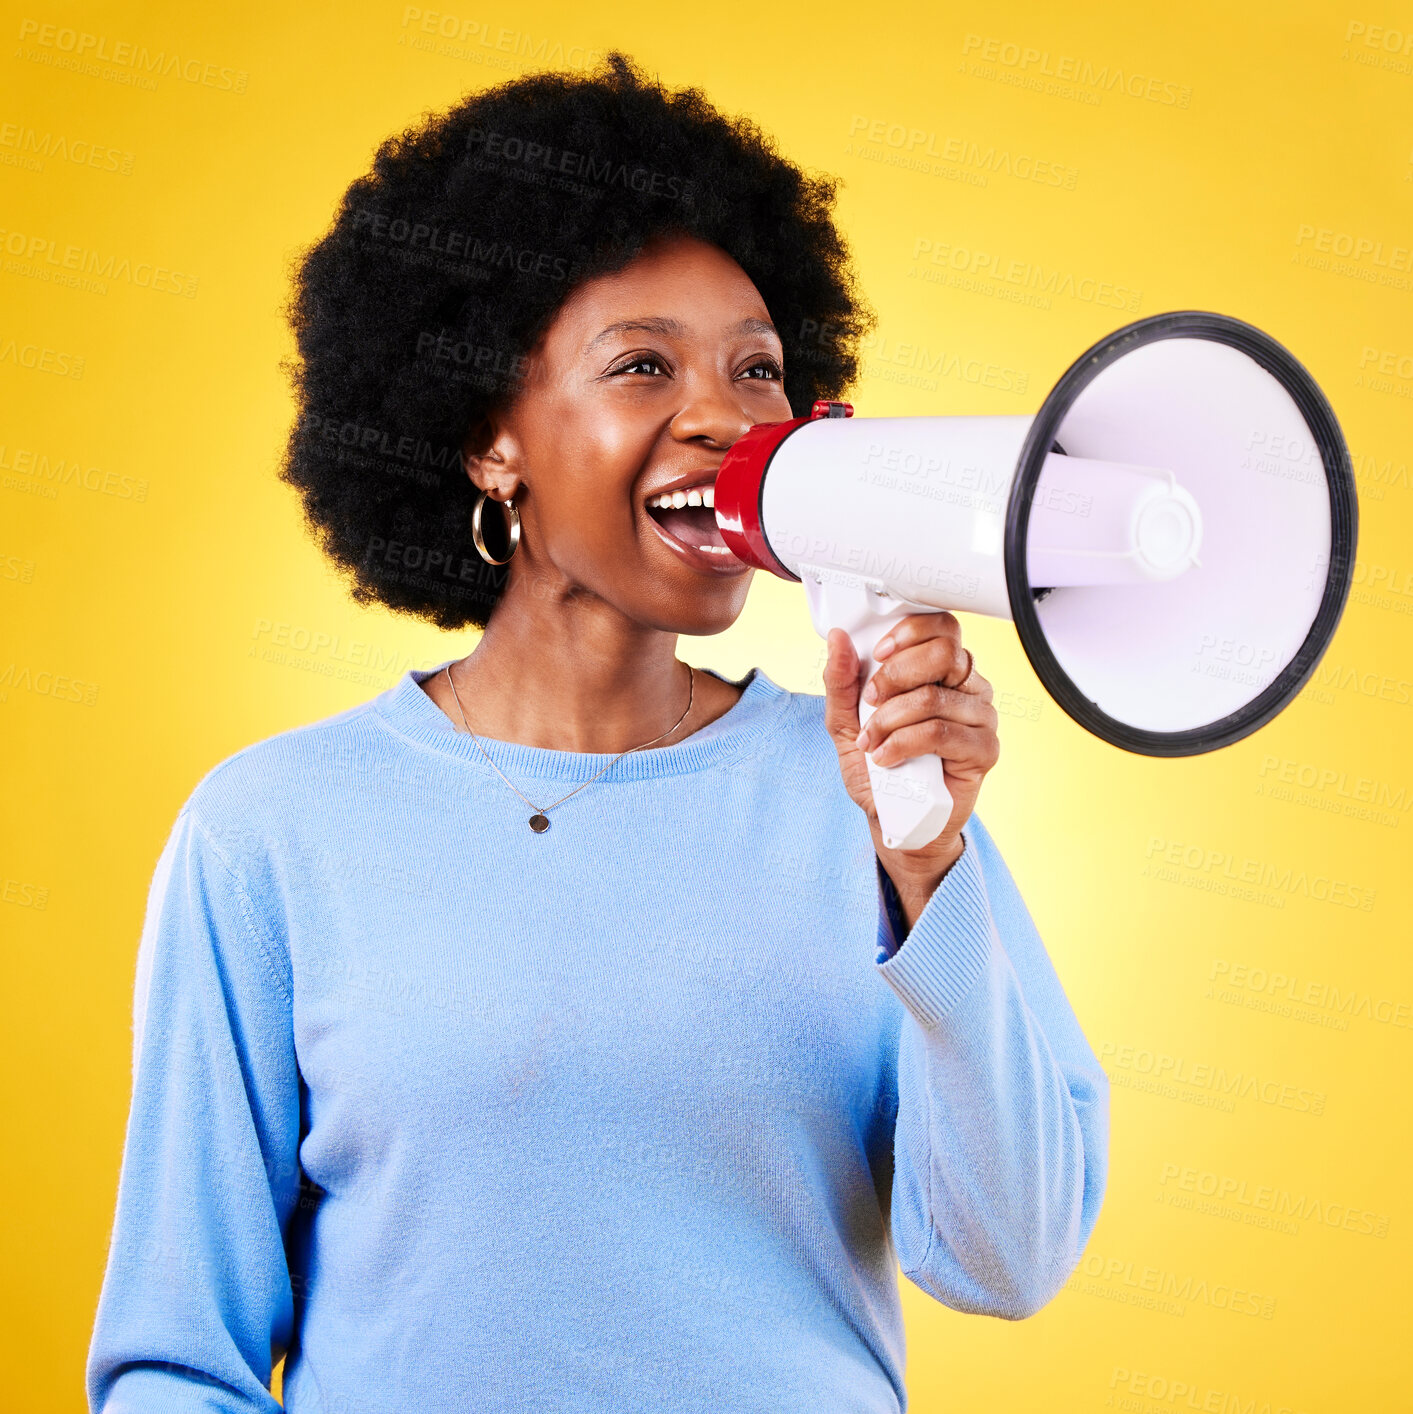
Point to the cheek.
(614, 447)
(590, 471)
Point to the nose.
(712, 414)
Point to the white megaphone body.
(1173, 534)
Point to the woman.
(554, 1031)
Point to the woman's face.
(638, 387)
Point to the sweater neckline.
(408, 711)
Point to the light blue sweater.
(643, 1113)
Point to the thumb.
(841, 689)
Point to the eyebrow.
(660, 324)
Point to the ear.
(492, 458)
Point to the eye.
(768, 367)
(638, 363)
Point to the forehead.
(688, 283)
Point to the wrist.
(915, 885)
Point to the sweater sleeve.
(1001, 1143)
(197, 1301)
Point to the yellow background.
(163, 577)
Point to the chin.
(713, 608)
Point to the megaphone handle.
(911, 798)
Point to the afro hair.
(414, 315)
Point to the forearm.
(1002, 1125)
(196, 1288)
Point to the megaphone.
(1173, 535)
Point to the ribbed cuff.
(938, 962)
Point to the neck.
(574, 675)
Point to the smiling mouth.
(689, 518)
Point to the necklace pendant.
(539, 823)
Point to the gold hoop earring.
(512, 518)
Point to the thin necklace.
(539, 821)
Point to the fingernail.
(870, 693)
(862, 736)
(883, 648)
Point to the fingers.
(925, 648)
(964, 748)
(841, 687)
(928, 698)
(923, 703)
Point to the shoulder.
(795, 754)
(264, 790)
(796, 719)
(803, 749)
(800, 711)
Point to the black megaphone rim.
(1344, 516)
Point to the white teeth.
(697, 496)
